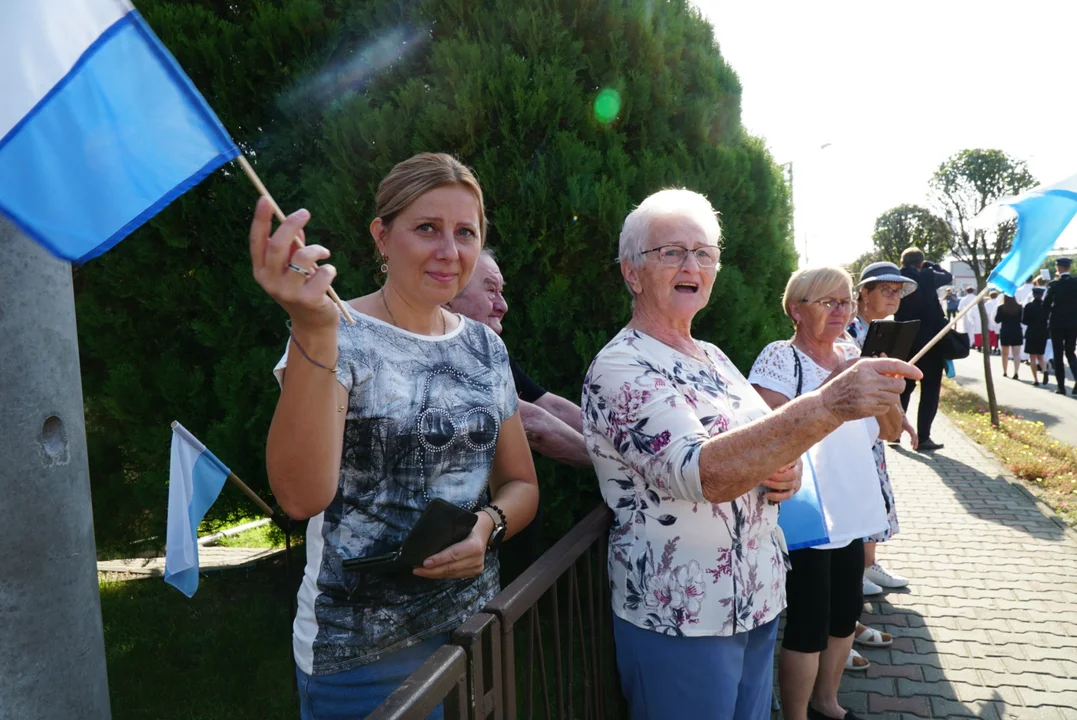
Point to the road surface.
(1057, 413)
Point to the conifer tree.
(571, 113)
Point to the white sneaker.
(871, 588)
(882, 578)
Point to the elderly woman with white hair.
(694, 464)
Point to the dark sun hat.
(886, 272)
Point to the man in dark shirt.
(553, 424)
(923, 305)
(1061, 308)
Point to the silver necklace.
(392, 318)
(814, 357)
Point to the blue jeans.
(725, 678)
(357, 692)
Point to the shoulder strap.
(797, 369)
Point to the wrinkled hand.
(914, 439)
(303, 297)
(535, 421)
(868, 387)
(465, 559)
(785, 483)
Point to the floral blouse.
(678, 564)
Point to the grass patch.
(267, 536)
(226, 653)
(1023, 446)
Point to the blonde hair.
(418, 175)
(813, 284)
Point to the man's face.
(483, 299)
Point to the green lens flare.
(607, 106)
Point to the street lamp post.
(792, 219)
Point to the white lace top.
(848, 482)
(775, 368)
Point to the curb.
(1004, 472)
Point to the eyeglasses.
(888, 292)
(831, 304)
(675, 255)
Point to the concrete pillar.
(52, 650)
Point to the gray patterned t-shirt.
(424, 416)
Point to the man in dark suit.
(923, 305)
(1061, 308)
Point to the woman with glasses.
(693, 465)
(880, 290)
(824, 583)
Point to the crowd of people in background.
(1037, 324)
(419, 401)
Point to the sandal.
(856, 662)
(870, 637)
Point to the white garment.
(845, 479)
(971, 320)
(844, 464)
(991, 306)
(1023, 294)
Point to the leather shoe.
(1061, 390)
(928, 445)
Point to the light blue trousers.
(719, 678)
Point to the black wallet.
(442, 524)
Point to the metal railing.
(441, 680)
(544, 643)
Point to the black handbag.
(954, 345)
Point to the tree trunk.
(992, 401)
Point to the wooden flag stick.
(257, 182)
(262, 504)
(949, 326)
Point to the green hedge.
(328, 96)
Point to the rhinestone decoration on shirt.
(458, 432)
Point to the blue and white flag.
(195, 480)
(99, 126)
(801, 517)
(1043, 213)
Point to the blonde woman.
(377, 419)
(824, 585)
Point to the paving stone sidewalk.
(988, 625)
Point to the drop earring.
(384, 265)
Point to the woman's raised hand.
(303, 296)
(867, 387)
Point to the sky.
(896, 89)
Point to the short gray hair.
(664, 203)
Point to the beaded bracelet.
(495, 508)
